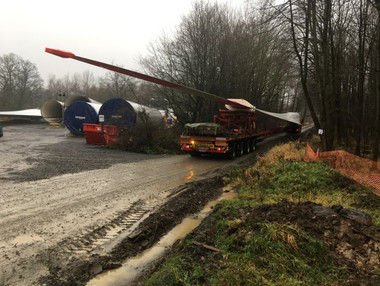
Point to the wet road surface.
(55, 188)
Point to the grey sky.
(117, 31)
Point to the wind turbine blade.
(230, 103)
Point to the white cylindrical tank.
(52, 111)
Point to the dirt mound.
(349, 234)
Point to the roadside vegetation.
(284, 228)
(149, 140)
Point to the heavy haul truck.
(234, 131)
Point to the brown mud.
(186, 201)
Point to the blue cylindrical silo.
(118, 111)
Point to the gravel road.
(57, 191)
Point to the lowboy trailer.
(233, 133)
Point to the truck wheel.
(250, 145)
(253, 144)
(232, 152)
(246, 148)
(239, 149)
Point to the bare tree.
(334, 43)
(20, 83)
(376, 72)
(118, 85)
(88, 83)
(223, 52)
(76, 84)
(195, 57)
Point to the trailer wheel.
(232, 152)
(239, 149)
(250, 145)
(253, 144)
(246, 148)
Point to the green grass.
(263, 253)
(304, 181)
(259, 254)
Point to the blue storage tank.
(81, 112)
(124, 113)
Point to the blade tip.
(59, 53)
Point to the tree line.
(228, 53)
(320, 54)
(21, 86)
(318, 57)
(336, 48)
(20, 82)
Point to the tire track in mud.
(101, 238)
(75, 261)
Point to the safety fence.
(363, 171)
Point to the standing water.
(133, 267)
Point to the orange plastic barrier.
(364, 171)
(311, 155)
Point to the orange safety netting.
(364, 171)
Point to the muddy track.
(76, 261)
(99, 239)
(71, 210)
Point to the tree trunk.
(376, 141)
(303, 61)
(362, 69)
(322, 71)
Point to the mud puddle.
(132, 268)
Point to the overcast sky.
(113, 31)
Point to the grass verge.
(255, 251)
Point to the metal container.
(124, 113)
(75, 98)
(52, 110)
(79, 113)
